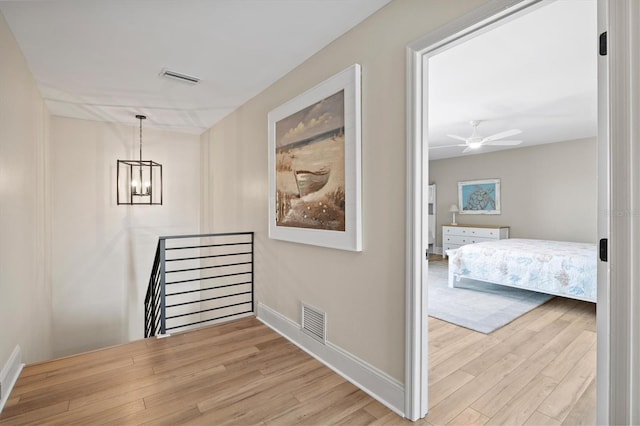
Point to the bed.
(553, 267)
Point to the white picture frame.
(314, 187)
(479, 196)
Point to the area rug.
(477, 305)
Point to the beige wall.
(362, 293)
(548, 191)
(25, 291)
(102, 252)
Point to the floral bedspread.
(554, 267)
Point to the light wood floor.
(540, 369)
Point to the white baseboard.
(437, 250)
(374, 382)
(9, 375)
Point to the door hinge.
(604, 249)
(603, 44)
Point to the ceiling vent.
(179, 76)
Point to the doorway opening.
(451, 116)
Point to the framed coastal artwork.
(479, 196)
(314, 165)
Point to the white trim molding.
(371, 380)
(9, 375)
(416, 351)
(624, 245)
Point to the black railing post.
(253, 308)
(152, 304)
(163, 281)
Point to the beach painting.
(314, 188)
(310, 166)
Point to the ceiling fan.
(476, 141)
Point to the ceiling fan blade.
(446, 146)
(460, 138)
(502, 135)
(502, 142)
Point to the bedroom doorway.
(494, 15)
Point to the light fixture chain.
(141, 139)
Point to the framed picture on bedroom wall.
(315, 164)
(479, 196)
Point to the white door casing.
(416, 374)
(621, 371)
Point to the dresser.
(454, 236)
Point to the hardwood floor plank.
(459, 400)
(316, 389)
(376, 409)
(566, 360)
(393, 419)
(482, 363)
(253, 413)
(584, 411)
(457, 361)
(106, 413)
(142, 387)
(357, 418)
(565, 396)
(60, 378)
(452, 335)
(194, 390)
(459, 346)
(36, 415)
(539, 419)
(337, 411)
(494, 400)
(469, 417)
(80, 388)
(540, 339)
(301, 413)
(523, 321)
(503, 392)
(193, 365)
(554, 312)
(441, 390)
(85, 359)
(524, 403)
(265, 386)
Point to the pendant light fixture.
(139, 182)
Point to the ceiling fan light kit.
(477, 141)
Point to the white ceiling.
(101, 59)
(536, 73)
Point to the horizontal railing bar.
(207, 320)
(207, 257)
(206, 289)
(206, 300)
(207, 246)
(227, 234)
(240, 244)
(209, 267)
(207, 310)
(208, 278)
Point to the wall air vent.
(179, 76)
(314, 323)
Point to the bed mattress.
(554, 267)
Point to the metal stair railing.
(199, 279)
